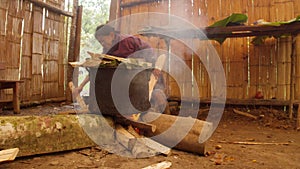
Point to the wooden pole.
(298, 117)
(77, 42)
(71, 54)
(292, 79)
(50, 7)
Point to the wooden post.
(16, 98)
(292, 88)
(77, 42)
(71, 55)
(298, 117)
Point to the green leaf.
(234, 18)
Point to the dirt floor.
(272, 126)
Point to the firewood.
(190, 142)
(78, 98)
(150, 143)
(160, 62)
(137, 148)
(145, 127)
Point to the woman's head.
(105, 35)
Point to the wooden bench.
(14, 84)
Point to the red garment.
(127, 46)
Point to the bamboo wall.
(248, 68)
(33, 48)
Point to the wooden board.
(8, 154)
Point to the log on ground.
(47, 134)
(184, 134)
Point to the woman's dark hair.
(104, 30)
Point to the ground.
(272, 126)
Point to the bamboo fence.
(249, 68)
(33, 48)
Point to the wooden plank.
(8, 154)
(37, 46)
(159, 64)
(27, 44)
(37, 61)
(37, 19)
(26, 67)
(3, 17)
(161, 165)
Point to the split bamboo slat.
(135, 21)
(199, 17)
(177, 51)
(61, 59)
(37, 54)
(297, 71)
(125, 22)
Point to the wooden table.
(14, 84)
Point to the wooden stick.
(78, 98)
(160, 62)
(51, 8)
(292, 80)
(97, 55)
(245, 114)
(253, 143)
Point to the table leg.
(16, 98)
